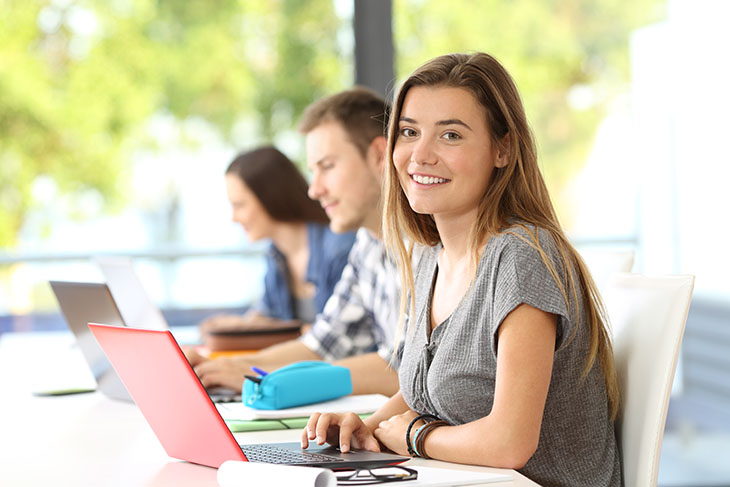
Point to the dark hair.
(361, 112)
(278, 184)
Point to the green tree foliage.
(570, 58)
(79, 79)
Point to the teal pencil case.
(296, 385)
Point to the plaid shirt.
(362, 314)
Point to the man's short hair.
(361, 112)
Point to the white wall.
(680, 104)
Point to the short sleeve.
(523, 277)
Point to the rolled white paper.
(234, 473)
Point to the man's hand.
(193, 356)
(223, 371)
(230, 371)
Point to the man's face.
(345, 183)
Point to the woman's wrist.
(394, 406)
(415, 424)
(414, 439)
(423, 434)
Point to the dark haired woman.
(269, 200)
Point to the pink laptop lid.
(165, 388)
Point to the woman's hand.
(344, 429)
(392, 432)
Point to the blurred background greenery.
(80, 80)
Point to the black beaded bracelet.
(424, 417)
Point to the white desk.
(88, 439)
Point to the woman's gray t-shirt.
(452, 375)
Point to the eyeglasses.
(368, 476)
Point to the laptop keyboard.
(274, 454)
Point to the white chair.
(605, 263)
(648, 316)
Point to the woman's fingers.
(309, 431)
(366, 440)
(338, 429)
(323, 425)
(350, 423)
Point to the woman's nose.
(423, 152)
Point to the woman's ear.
(503, 151)
(501, 159)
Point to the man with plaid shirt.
(346, 152)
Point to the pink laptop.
(186, 422)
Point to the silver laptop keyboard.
(274, 454)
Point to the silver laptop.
(82, 303)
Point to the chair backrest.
(605, 263)
(648, 316)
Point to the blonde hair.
(516, 193)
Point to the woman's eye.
(407, 132)
(452, 136)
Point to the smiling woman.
(507, 361)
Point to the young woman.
(507, 360)
(269, 198)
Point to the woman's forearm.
(481, 442)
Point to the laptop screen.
(134, 303)
(169, 394)
(82, 303)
